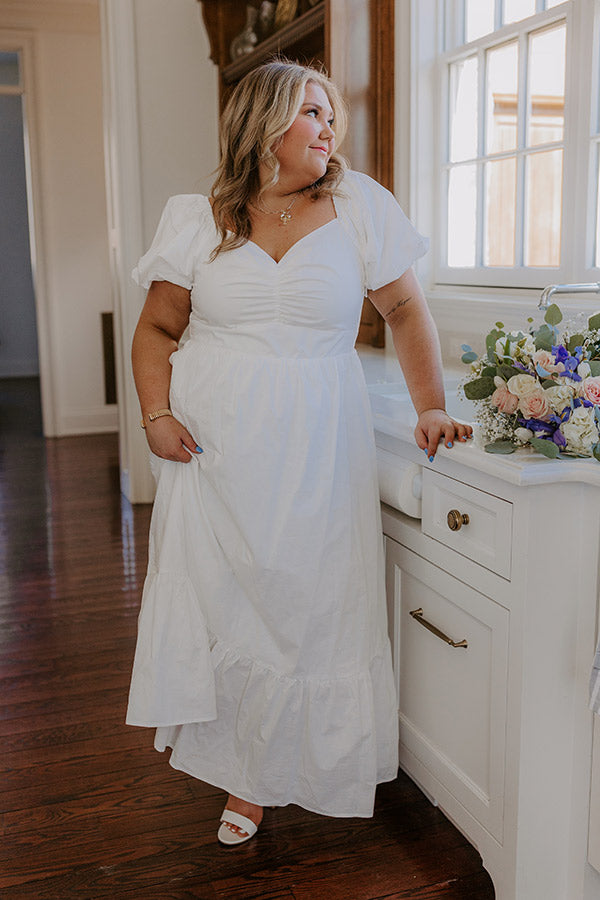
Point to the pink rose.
(590, 389)
(545, 360)
(504, 400)
(534, 405)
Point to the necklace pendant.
(285, 216)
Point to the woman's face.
(308, 143)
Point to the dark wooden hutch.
(354, 40)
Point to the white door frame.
(24, 43)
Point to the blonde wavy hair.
(259, 112)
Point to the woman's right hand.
(169, 439)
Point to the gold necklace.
(284, 214)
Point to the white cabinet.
(452, 699)
(481, 524)
(498, 732)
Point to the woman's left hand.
(435, 425)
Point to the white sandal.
(229, 837)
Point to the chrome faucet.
(592, 287)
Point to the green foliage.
(596, 451)
(553, 315)
(594, 322)
(490, 342)
(576, 340)
(508, 371)
(500, 446)
(548, 448)
(479, 388)
(594, 365)
(469, 357)
(544, 338)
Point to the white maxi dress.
(262, 656)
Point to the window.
(9, 68)
(517, 197)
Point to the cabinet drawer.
(487, 535)
(452, 700)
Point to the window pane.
(501, 100)
(462, 200)
(9, 68)
(515, 10)
(479, 18)
(597, 260)
(546, 96)
(543, 198)
(463, 109)
(500, 212)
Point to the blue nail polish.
(431, 459)
(425, 450)
(449, 444)
(199, 449)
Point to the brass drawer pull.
(418, 615)
(456, 520)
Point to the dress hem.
(179, 767)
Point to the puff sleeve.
(389, 242)
(173, 252)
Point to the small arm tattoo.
(398, 305)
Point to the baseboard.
(89, 421)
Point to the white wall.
(61, 43)
(161, 99)
(178, 104)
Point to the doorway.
(18, 329)
(18, 324)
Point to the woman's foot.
(242, 807)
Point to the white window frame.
(429, 112)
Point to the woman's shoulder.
(364, 189)
(187, 209)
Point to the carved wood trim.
(290, 34)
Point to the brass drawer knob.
(456, 520)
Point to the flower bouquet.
(539, 389)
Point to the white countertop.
(394, 417)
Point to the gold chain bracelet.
(156, 415)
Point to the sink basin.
(391, 399)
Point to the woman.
(262, 656)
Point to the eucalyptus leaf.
(500, 446)
(499, 324)
(469, 357)
(548, 448)
(479, 388)
(553, 315)
(576, 340)
(508, 371)
(548, 383)
(544, 339)
(594, 322)
(594, 367)
(466, 347)
(489, 371)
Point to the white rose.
(523, 435)
(584, 369)
(528, 346)
(580, 430)
(501, 350)
(560, 395)
(522, 384)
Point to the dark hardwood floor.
(88, 808)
